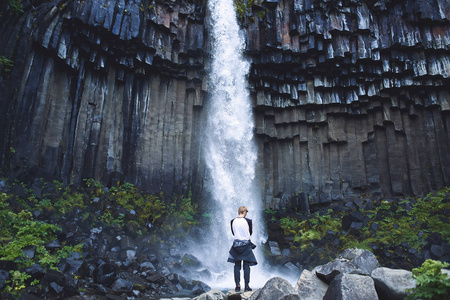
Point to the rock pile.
(362, 219)
(354, 274)
(115, 262)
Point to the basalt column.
(351, 97)
(104, 89)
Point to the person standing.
(241, 253)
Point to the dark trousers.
(237, 272)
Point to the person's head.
(242, 210)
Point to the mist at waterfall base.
(230, 154)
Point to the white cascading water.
(230, 154)
(230, 151)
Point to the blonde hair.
(242, 210)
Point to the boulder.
(35, 271)
(352, 261)
(276, 288)
(54, 280)
(348, 220)
(190, 261)
(147, 266)
(72, 265)
(200, 287)
(310, 287)
(105, 273)
(212, 295)
(330, 270)
(391, 284)
(351, 253)
(366, 262)
(122, 285)
(351, 287)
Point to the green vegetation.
(408, 221)
(246, 8)
(20, 232)
(307, 231)
(431, 282)
(7, 64)
(181, 215)
(243, 8)
(398, 225)
(31, 222)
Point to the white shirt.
(241, 229)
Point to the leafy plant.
(404, 226)
(315, 228)
(96, 185)
(17, 282)
(431, 282)
(408, 221)
(270, 211)
(8, 64)
(243, 7)
(180, 218)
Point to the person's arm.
(250, 225)
(231, 225)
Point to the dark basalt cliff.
(350, 97)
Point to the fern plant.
(431, 282)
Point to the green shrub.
(17, 282)
(306, 231)
(431, 282)
(20, 231)
(243, 7)
(426, 212)
(396, 224)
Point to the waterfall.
(230, 151)
(229, 148)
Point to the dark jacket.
(242, 250)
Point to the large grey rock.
(351, 287)
(351, 253)
(366, 262)
(330, 270)
(276, 288)
(212, 295)
(190, 261)
(310, 287)
(352, 261)
(391, 284)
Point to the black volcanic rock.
(349, 97)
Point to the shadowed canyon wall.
(350, 97)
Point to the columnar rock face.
(108, 89)
(350, 97)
